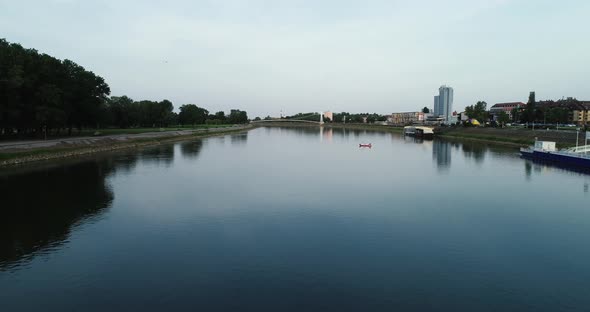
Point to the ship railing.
(584, 149)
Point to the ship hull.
(557, 157)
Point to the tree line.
(42, 94)
(339, 117)
(539, 112)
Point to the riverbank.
(15, 153)
(359, 126)
(516, 137)
(511, 136)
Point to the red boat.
(365, 145)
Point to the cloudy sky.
(265, 56)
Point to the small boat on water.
(419, 132)
(365, 145)
(546, 151)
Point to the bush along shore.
(25, 152)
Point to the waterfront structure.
(419, 131)
(435, 111)
(329, 115)
(443, 103)
(547, 151)
(406, 118)
(506, 107)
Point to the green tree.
(515, 114)
(191, 114)
(426, 110)
(220, 116)
(237, 116)
(503, 118)
(530, 110)
(478, 111)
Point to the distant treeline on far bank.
(40, 94)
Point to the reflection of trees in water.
(239, 138)
(39, 208)
(441, 154)
(475, 151)
(191, 149)
(161, 154)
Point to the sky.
(295, 56)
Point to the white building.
(443, 103)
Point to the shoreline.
(106, 144)
(15, 158)
(505, 137)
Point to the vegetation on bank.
(43, 96)
(338, 117)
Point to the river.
(296, 219)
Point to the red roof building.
(506, 107)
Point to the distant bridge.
(320, 116)
(286, 120)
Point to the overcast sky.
(310, 55)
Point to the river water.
(296, 219)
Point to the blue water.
(296, 219)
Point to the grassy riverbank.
(512, 136)
(14, 157)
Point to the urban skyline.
(314, 55)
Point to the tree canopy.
(40, 93)
(478, 111)
(191, 114)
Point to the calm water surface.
(289, 219)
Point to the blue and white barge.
(547, 151)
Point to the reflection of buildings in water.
(441, 154)
(326, 134)
(64, 196)
(191, 149)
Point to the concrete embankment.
(12, 153)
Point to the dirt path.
(17, 146)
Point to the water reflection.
(158, 155)
(413, 139)
(441, 154)
(528, 170)
(239, 138)
(63, 197)
(546, 167)
(474, 150)
(191, 149)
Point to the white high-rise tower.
(445, 103)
